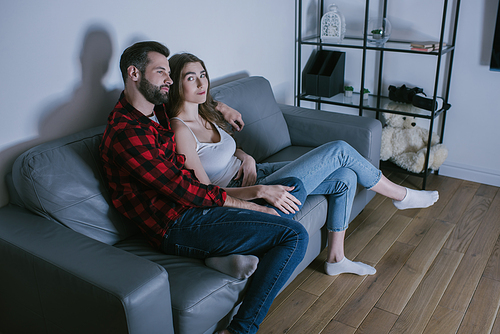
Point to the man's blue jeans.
(333, 169)
(280, 243)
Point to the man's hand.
(232, 116)
(240, 204)
(279, 196)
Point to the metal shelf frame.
(376, 101)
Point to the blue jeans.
(280, 244)
(333, 169)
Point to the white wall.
(44, 94)
(472, 134)
(47, 92)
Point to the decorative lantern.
(332, 26)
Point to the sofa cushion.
(200, 295)
(265, 131)
(63, 181)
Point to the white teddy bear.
(405, 144)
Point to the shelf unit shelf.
(372, 103)
(390, 45)
(377, 102)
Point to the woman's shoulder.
(182, 130)
(178, 124)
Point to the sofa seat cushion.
(265, 131)
(199, 294)
(313, 213)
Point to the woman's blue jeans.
(280, 243)
(332, 169)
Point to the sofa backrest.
(63, 181)
(265, 132)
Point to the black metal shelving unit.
(376, 102)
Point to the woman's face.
(194, 83)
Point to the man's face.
(155, 81)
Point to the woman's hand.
(279, 196)
(247, 169)
(232, 116)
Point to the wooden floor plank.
(468, 224)
(444, 321)
(366, 296)
(424, 301)
(496, 326)
(360, 218)
(335, 327)
(300, 279)
(377, 322)
(324, 309)
(487, 191)
(408, 279)
(483, 309)
(465, 281)
(492, 269)
(416, 231)
(291, 310)
(455, 207)
(358, 239)
(383, 240)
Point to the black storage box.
(323, 74)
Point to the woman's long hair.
(175, 96)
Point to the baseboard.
(471, 173)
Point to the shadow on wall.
(87, 107)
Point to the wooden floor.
(438, 270)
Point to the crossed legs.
(334, 169)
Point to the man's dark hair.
(137, 55)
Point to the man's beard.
(151, 92)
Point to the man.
(178, 214)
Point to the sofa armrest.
(310, 127)
(55, 279)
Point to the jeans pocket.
(187, 251)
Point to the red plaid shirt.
(148, 181)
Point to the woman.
(338, 167)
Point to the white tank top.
(218, 159)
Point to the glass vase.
(379, 31)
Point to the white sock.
(417, 199)
(238, 266)
(346, 266)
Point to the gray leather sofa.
(69, 263)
